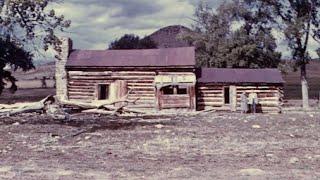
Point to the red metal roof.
(225, 75)
(133, 58)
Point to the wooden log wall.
(209, 96)
(270, 97)
(82, 84)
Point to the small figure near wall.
(244, 103)
(253, 101)
(43, 82)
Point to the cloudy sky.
(95, 23)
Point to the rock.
(308, 157)
(64, 172)
(311, 115)
(293, 119)
(159, 126)
(9, 148)
(293, 160)
(87, 137)
(16, 124)
(252, 172)
(291, 135)
(5, 169)
(272, 158)
(79, 142)
(317, 157)
(256, 126)
(57, 113)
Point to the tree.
(26, 27)
(218, 45)
(130, 41)
(251, 51)
(299, 21)
(14, 56)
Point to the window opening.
(103, 91)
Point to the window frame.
(175, 90)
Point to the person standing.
(244, 103)
(253, 101)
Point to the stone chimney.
(61, 72)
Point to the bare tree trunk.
(304, 88)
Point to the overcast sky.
(95, 23)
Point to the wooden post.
(121, 89)
(158, 100)
(319, 100)
(192, 95)
(233, 98)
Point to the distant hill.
(47, 70)
(167, 37)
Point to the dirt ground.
(208, 146)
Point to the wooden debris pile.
(57, 109)
(19, 108)
(116, 107)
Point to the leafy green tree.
(299, 21)
(130, 41)
(14, 56)
(219, 45)
(251, 51)
(26, 27)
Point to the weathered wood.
(210, 100)
(84, 73)
(233, 98)
(79, 93)
(24, 107)
(268, 96)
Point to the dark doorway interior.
(103, 93)
(226, 95)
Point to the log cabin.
(221, 88)
(158, 78)
(161, 79)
